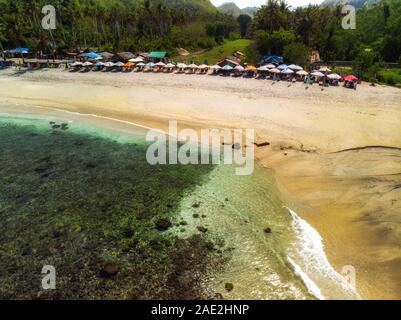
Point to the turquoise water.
(80, 197)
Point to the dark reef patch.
(88, 206)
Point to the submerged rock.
(229, 287)
(163, 224)
(109, 269)
(202, 229)
(267, 230)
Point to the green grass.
(220, 52)
(390, 76)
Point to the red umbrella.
(351, 78)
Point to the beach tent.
(317, 74)
(239, 68)
(351, 78)
(324, 69)
(334, 76)
(282, 67)
(295, 67)
(302, 73)
(275, 70)
(287, 71)
(136, 60)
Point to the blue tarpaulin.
(274, 59)
(19, 50)
(93, 55)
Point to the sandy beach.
(336, 153)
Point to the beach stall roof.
(271, 58)
(158, 54)
(123, 56)
(106, 55)
(92, 55)
(229, 62)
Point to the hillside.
(232, 9)
(356, 3)
(193, 5)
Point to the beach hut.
(157, 56)
(106, 55)
(122, 57)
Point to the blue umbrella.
(282, 67)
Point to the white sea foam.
(315, 264)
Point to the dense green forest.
(113, 25)
(136, 25)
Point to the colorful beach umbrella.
(351, 78)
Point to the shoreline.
(295, 154)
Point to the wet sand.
(350, 197)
